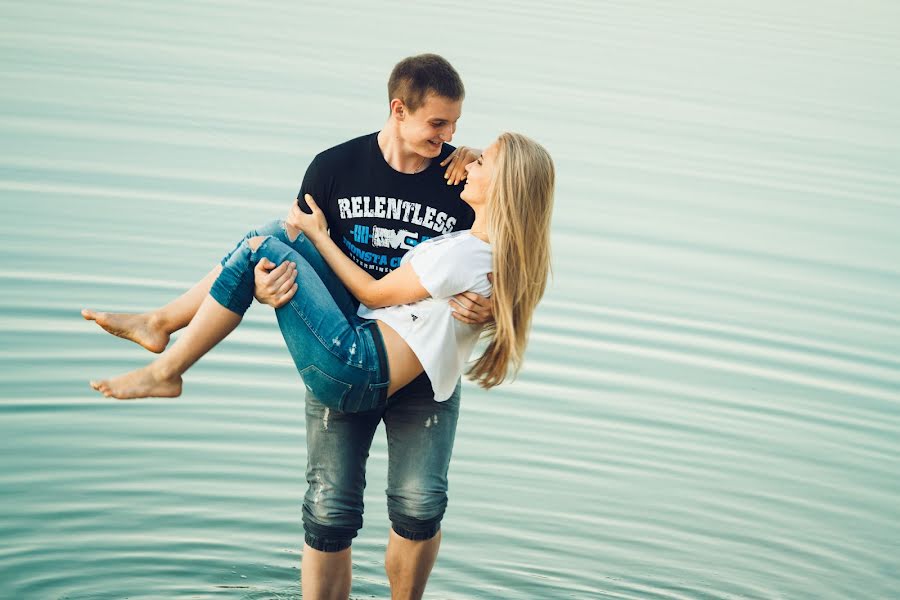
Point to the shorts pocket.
(329, 391)
(377, 387)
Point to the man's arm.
(472, 309)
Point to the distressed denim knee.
(333, 504)
(337, 446)
(274, 228)
(235, 291)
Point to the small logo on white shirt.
(414, 317)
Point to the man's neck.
(395, 152)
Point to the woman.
(358, 359)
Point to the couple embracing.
(383, 276)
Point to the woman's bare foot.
(142, 383)
(142, 329)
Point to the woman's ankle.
(159, 321)
(162, 370)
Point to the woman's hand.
(458, 160)
(313, 225)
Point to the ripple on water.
(709, 407)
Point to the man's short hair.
(414, 77)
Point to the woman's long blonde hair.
(519, 205)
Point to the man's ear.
(398, 109)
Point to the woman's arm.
(400, 286)
(457, 161)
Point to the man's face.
(425, 130)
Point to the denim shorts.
(340, 356)
(420, 436)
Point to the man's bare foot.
(139, 328)
(142, 383)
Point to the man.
(382, 194)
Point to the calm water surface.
(711, 402)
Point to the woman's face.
(478, 176)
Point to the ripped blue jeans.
(339, 355)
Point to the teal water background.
(711, 402)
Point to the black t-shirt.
(377, 214)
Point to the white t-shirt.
(446, 265)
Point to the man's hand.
(274, 286)
(458, 160)
(472, 309)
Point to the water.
(711, 402)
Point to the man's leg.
(337, 448)
(420, 434)
(408, 564)
(325, 575)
